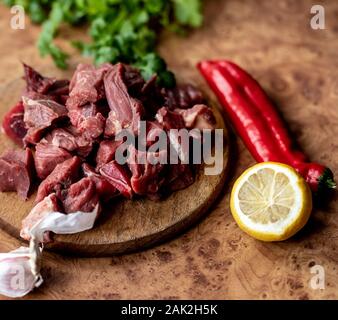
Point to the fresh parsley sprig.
(121, 30)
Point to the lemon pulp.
(271, 201)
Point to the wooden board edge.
(101, 250)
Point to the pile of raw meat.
(67, 129)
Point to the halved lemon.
(270, 201)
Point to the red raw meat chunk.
(92, 127)
(13, 124)
(40, 87)
(35, 81)
(61, 177)
(150, 95)
(16, 171)
(199, 116)
(84, 147)
(146, 178)
(62, 138)
(42, 112)
(173, 120)
(40, 115)
(88, 120)
(169, 119)
(125, 111)
(179, 177)
(81, 196)
(106, 151)
(182, 96)
(71, 140)
(47, 205)
(80, 113)
(86, 85)
(133, 80)
(154, 129)
(59, 91)
(118, 176)
(104, 189)
(47, 157)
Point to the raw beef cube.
(60, 178)
(16, 171)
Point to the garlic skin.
(20, 269)
(17, 277)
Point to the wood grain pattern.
(298, 67)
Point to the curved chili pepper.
(258, 122)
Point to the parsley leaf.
(188, 12)
(121, 30)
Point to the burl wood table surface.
(298, 66)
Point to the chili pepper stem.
(326, 180)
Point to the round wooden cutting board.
(125, 225)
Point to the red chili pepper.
(258, 122)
